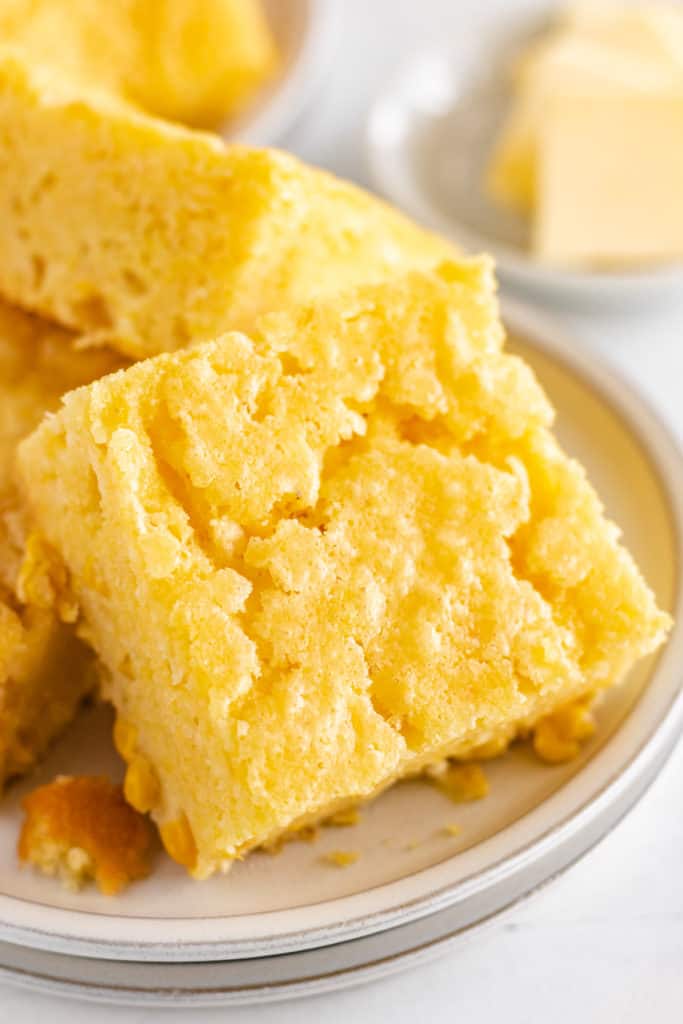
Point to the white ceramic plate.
(305, 31)
(536, 820)
(429, 136)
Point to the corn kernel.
(43, 580)
(558, 737)
(461, 783)
(179, 842)
(125, 738)
(141, 787)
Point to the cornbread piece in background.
(44, 670)
(194, 61)
(202, 60)
(81, 829)
(319, 558)
(150, 237)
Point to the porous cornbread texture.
(81, 829)
(319, 557)
(149, 236)
(44, 670)
(194, 61)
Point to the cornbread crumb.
(179, 843)
(558, 737)
(341, 858)
(461, 783)
(81, 829)
(305, 834)
(343, 819)
(411, 566)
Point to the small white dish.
(535, 822)
(305, 32)
(429, 136)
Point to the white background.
(605, 942)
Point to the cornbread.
(322, 556)
(143, 234)
(81, 829)
(194, 61)
(44, 670)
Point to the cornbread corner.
(193, 61)
(81, 829)
(325, 555)
(149, 236)
(44, 670)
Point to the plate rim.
(416, 950)
(104, 936)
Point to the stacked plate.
(292, 924)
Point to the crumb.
(341, 858)
(451, 830)
(343, 819)
(305, 834)
(81, 829)
(558, 737)
(461, 783)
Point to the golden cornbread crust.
(194, 61)
(44, 670)
(149, 236)
(81, 829)
(324, 556)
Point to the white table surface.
(605, 942)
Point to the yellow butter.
(590, 148)
(566, 65)
(609, 181)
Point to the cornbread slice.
(323, 556)
(81, 829)
(44, 670)
(194, 61)
(150, 236)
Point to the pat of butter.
(653, 31)
(610, 169)
(568, 65)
